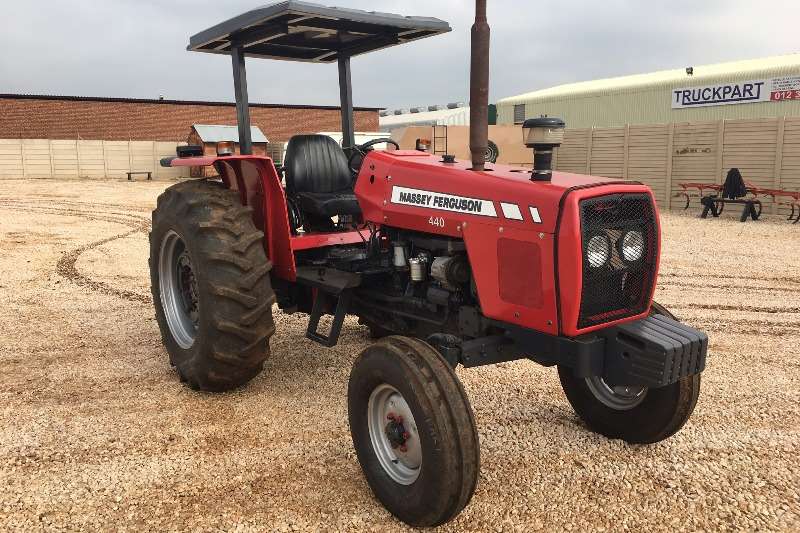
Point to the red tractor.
(446, 262)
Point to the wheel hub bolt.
(396, 433)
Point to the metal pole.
(242, 104)
(479, 88)
(346, 96)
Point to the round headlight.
(598, 251)
(632, 246)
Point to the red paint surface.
(318, 240)
(260, 187)
(500, 183)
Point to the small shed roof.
(303, 31)
(215, 134)
(443, 117)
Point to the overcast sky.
(136, 48)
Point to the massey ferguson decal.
(442, 201)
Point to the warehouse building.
(450, 115)
(128, 119)
(455, 114)
(87, 137)
(758, 88)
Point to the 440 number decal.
(436, 221)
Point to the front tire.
(413, 431)
(210, 283)
(638, 415)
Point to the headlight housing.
(619, 288)
(598, 251)
(631, 246)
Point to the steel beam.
(346, 96)
(242, 103)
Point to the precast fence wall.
(44, 158)
(767, 151)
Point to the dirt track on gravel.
(97, 433)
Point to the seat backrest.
(734, 186)
(316, 163)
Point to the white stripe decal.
(535, 215)
(511, 211)
(442, 201)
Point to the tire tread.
(437, 387)
(225, 237)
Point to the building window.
(519, 113)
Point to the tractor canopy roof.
(302, 31)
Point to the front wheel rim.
(393, 434)
(618, 397)
(178, 290)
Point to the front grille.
(617, 289)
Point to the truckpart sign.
(444, 202)
(774, 90)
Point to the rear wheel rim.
(619, 397)
(393, 434)
(178, 290)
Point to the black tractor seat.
(318, 178)
(328, 204)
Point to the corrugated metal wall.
(650, 107)
(43, 158)
(650, 104)
(767, 151)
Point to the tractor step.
(327, 279)
(321, 302)
(329, 284)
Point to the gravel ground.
(97, 433)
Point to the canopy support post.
(346, 96)
(242, 103)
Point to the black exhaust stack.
(479, 88)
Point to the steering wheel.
(360, 151)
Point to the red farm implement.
(714, 202)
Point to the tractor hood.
(393, 180)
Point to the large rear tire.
(413, 431)
(210, 282)
(637, 415)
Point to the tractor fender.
(259, 186)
